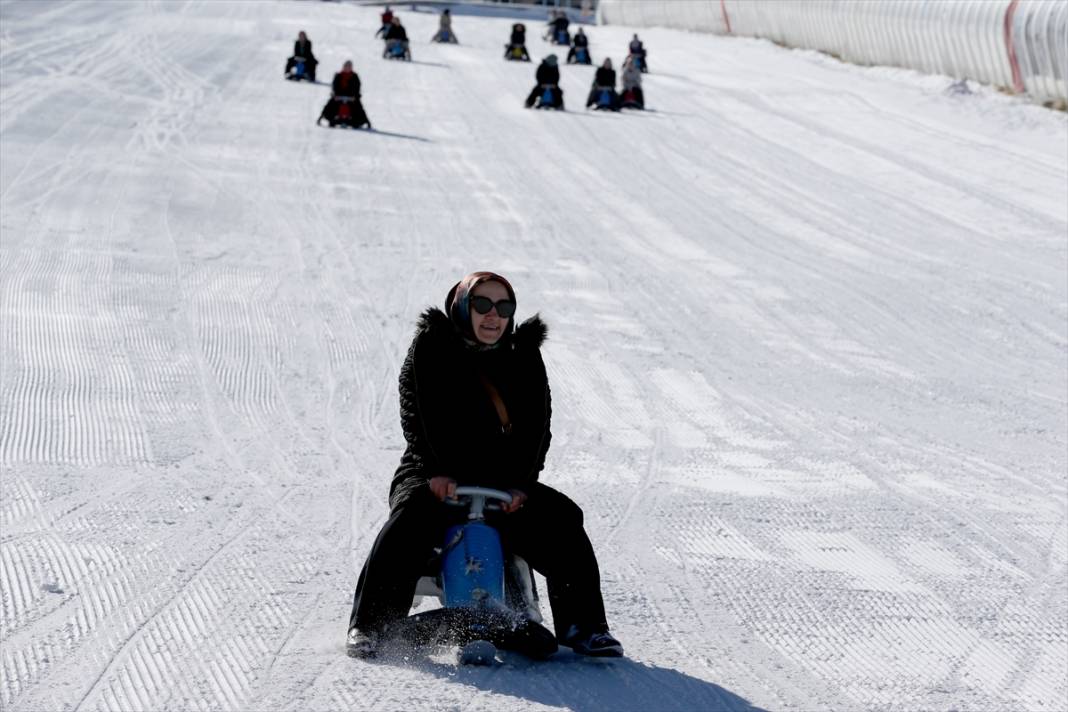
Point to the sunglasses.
(505, 307)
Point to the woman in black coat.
(302, 49)
(346, 89)
(605, 78)
(458, 435)
(547, 75)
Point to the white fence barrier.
(1021, 45)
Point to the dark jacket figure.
(396, 42)
(557, 25)
(346, 91)
(548, 76)
(637, 49)
(579, 41)
(346, 83)
(396, 31)
(517, 43)
(519, 34)
(605, 78)
(455, 436)
(302, 49)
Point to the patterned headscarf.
(458, 303)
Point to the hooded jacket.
(547, 73)
(449, 420)
(605, 77)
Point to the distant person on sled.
(547, 93)
(557, 28)
(603, 91)
(303, 56)
(445, 33)
(396, 41)
(475, 410)
(516, 49)
(632, 96)
(580, 49)
(638, 54)
(345, 106)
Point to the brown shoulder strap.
(498, 403)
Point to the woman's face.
(489, 327)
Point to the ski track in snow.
(808, 350)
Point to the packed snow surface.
(808, 351)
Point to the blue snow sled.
(489, 600)
(550, 98)
(396, 49)
(562, 37)
(605, 99)
(582, 56)
(299, 70)
(472, 565)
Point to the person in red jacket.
(387, 20)
(346, 92)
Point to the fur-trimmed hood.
(529, 334)
(445, 407)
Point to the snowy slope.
(808, 349)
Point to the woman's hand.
(443, 487)
(518, 498)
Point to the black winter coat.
(303, 49)
(548, 74)
(397, 32)
(605, 77)
(580, 41)
(347, 88)
(449, 419)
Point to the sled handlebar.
(479, 497)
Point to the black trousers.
(547, 531)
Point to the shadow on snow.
(589, 684)
(429, 64)
(410, 137)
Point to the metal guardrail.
(1021, 45)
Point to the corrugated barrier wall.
(1021, 45)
